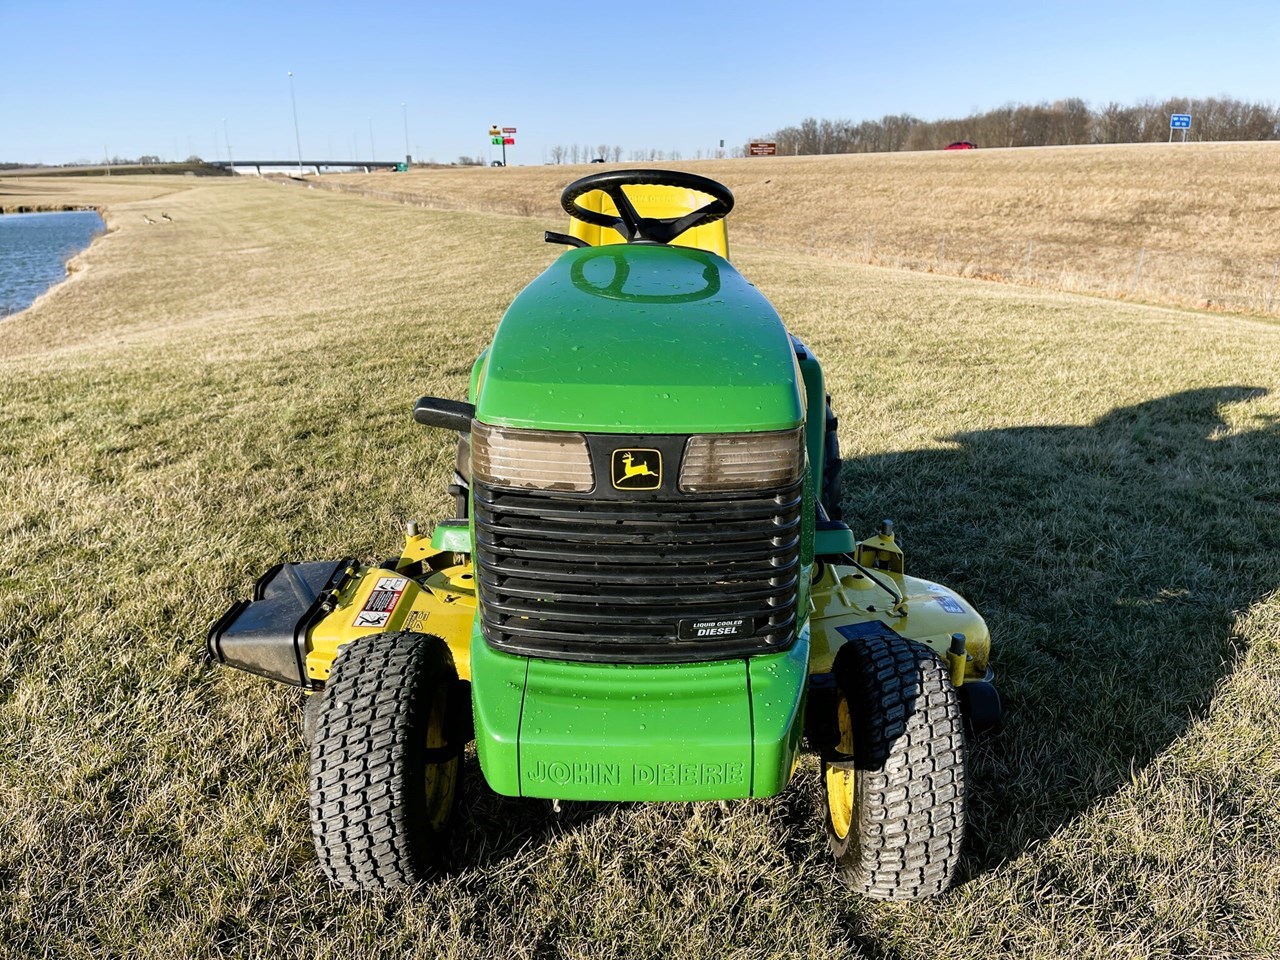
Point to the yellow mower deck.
(426, 592)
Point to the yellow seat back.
(653, 201)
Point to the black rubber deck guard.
(267, 635)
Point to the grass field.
(1188, 224)
(210, 396)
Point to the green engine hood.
(633, 338)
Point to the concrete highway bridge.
(307, 165)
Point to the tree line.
(1062, 122)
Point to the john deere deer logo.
(637, 469)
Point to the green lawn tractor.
(648, 592)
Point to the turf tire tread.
(909, 815)
(368, 808)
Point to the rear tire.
(895, 811)
(386, 761)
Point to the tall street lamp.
(408, 157)
(231, 167)
(296, 138)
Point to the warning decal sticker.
(382, 602)
(949, 604)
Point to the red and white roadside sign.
(509, 141)
(764, 148)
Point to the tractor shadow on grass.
(1111, 562)
(491, 829)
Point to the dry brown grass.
(1201, 217)
(234, 389)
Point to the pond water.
(34, 250)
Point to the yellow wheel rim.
(840, 780)
(441, 778)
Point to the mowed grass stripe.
(1098, 479)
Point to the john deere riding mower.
(648, 592)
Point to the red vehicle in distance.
(961, 145)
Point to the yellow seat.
(653, 201)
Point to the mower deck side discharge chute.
(267, 636)
(302, 614)
(716, 730)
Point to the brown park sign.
(764, 148)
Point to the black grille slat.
(725, 591)
(571, 576)
(550, 572)
(657, 511)
(654, 511)
(687, 555)
(572, 612)
(629, 533)
(656, 645)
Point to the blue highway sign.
(1180, 121)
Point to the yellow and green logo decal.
(637, 469)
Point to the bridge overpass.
(306, 165)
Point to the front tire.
(386, 761)
(895, 811)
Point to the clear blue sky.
(160, 78)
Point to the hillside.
(1190, 224)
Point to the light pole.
(408, 157)
(296, 138)
(231, 167)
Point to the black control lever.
(450, 414)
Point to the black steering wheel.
(628, 222)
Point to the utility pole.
(408, 157)
(297, 139)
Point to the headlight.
(720, 462)
(533, 459)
